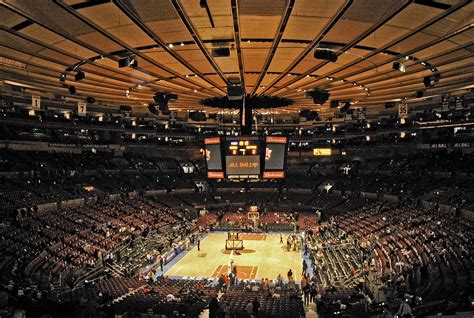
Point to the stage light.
(79, 76)
(399, 66)
(128, 61)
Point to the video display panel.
(242, 158)
(212, 149)
(243, 165)
(275, 155)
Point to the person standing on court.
(290, 274)
(281, 238)
(199, 244)
(161, 263)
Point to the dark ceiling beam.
(78, 58)
(409, 81)
(395, 42)
(21, 12)
(192, 31)
(58, 89)
(64, 64)
(350, 45)
(85, 91)
(131, 14)
(380, 99)
(204, 4)
(317, 40)
(161, 86)
(81, 5)
(410, 93)
(453, 74)
(434, 4)
(396, 74)
(278, 36)
(298, 94)
(114, 39)
(238, 40)
(53, 76)
(408, 53)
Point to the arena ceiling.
(45, 43)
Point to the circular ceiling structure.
(252, 101)
(122, 52)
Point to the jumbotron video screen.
(246, 157)
(242, 158)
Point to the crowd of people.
(416, 246)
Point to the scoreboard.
(242, 158)
(239, 158)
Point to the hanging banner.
(458, 103)
(445, 102)
(403, 110)
(36, 101)
(81, 108)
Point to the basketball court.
(262, 257)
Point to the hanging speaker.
(320, 96)
(235, 92)
(327, 55)
(221, 52)
(152, 108)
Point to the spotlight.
(399, 66)
(429, 81)
(79, 76)
(128, 61)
